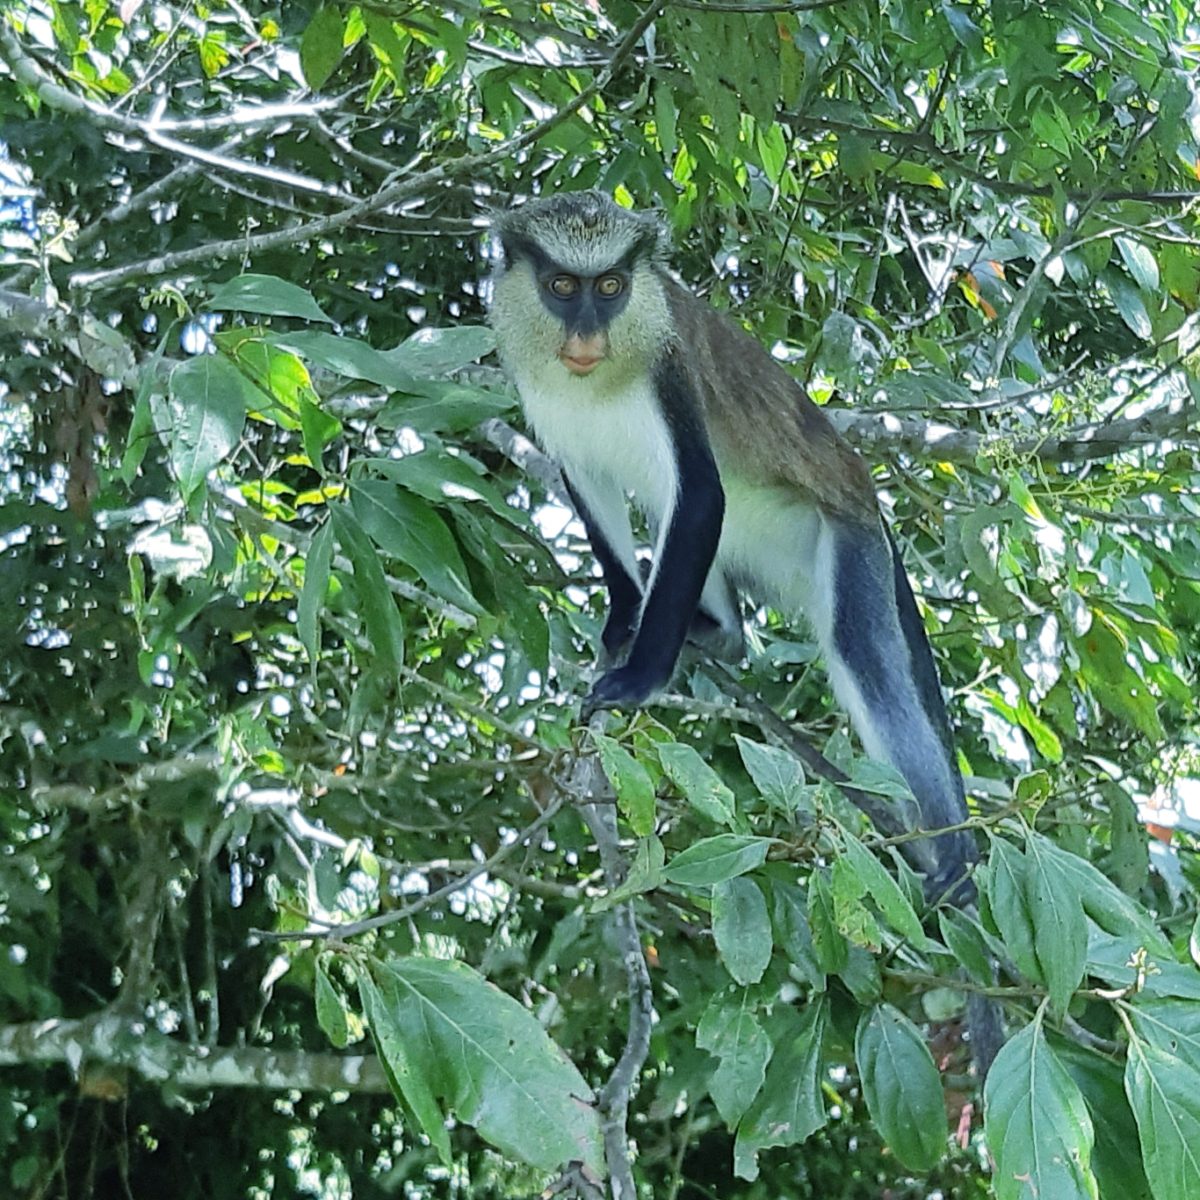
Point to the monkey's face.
(559, 323)
(587, 305)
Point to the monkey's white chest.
(616, 438)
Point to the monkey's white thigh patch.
(768, 543)
(606, 504)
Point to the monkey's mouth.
(581, 364)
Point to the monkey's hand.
(626, 688)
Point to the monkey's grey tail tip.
(985, 1020)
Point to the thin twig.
(404, 189)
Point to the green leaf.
(345, 356)
(853, 917)
(793, 933)
(1170, 1024)
(829, 944)
(1123, 962)
(266, 294)
(405, 527)
(741, 928)
(209, 400)
(901, 1086)
(789, 1107)
(883, 889)
(449, 1036)
(386, 42)
(965, 31)
(705, 790)
(405, 1064)
(731, 1031)
(631, 782)
(370, 584)
(431, 352)
(318, 429)
(443, 408)
(1164, 1093)
(1119, 1173)
(1115, 912)
(141, 425)
(966, 943)
(321, 46)
(312, 595)
(1140, 263)
(1036, 1124)
(715, 859)
(1131, 306)
(1059, 929)
(777, 774)
(440, 477)
(645, 874)
(331, 1010)
(1007, 894)
(1127, 864)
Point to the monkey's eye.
(564, 286)
(610, 285)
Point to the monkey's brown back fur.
(760, 417)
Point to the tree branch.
(404, 189)
(28, 72)
(586, 784)
(115, 1040)
(929, 145)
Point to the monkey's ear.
(515, 246)
(653, 240)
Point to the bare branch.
(593, 797)
(405, 189)
(53, 95)
(128, 1042)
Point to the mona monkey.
(641, 389)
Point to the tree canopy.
(313, 883)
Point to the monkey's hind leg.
(882, 670)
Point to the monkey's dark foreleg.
(687, 546)
(624, 591)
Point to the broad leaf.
(404, 526)
(705, 790)
(266, 294)
(883, 889)
(209, 401)
(331, 1010)
(347, 357)
(1008, 899)
(1036, 1124)
(902, 1087)
(631, 782)
(778, 775)
(456, 1043)
(321, 46)
(379, 609)
(789, 1107)
(1164, 1093)
(714, 859)
(431, 352)
(312, 595)
(731, 1031)
(1059, 929)
(741, 928)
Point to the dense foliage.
(299, 622)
